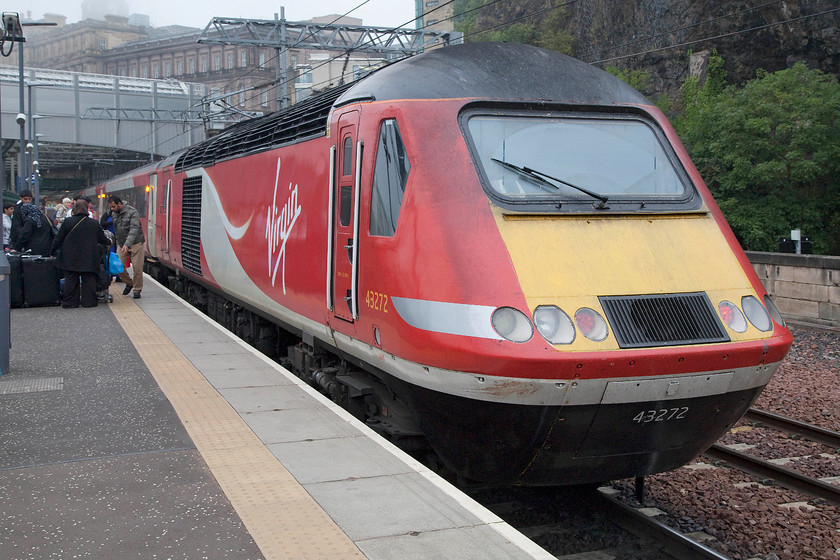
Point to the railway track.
(783, 476)
(585, 522)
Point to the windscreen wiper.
(542, 179)
(528, 174)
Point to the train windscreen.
(555, 159)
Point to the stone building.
(436, 14)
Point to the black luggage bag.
(15, 281)
(41, 281)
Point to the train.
(494, 252)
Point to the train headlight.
(774, 311)
(512, 324)
(756, 313)
(591, 324)
(554, 325)
(732, 316)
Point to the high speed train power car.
(498, 249)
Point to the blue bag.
(114, 264)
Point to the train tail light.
(512, 324)
(756, 313)
(591, 324)
(732, 316)
(554, 325)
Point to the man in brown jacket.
(130, 241)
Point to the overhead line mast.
(282, 35)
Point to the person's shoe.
(126, 290)
(136, 295)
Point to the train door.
(163, 221)
(344, 210)
(151, 216)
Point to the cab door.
(345, 218)
(151, 216)
(163, 222)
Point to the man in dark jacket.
(130, 241)
(35, 234)
(17, 217)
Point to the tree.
(769, 152)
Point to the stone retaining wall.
(804, 287)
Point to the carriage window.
(389, 179)
(347, 168)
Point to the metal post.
(5, 313)
(283, 50)
(2, 158)
(278, 71)
(21, 120)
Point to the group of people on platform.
(75, 238)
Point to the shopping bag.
(114, 264)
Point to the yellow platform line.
(282, 518)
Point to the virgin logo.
(280, 220)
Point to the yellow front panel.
(570, 260)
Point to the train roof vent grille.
(303, 120)
(663, 320)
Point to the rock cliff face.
(660, 35)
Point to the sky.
(198, 13)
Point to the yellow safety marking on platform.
(282, 518)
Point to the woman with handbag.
(76, 248)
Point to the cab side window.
(389, 179)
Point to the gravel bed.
(748, 518)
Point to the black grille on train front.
(191, 225)
(663, 320)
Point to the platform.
(142, 429)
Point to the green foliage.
(531, 23)
(770, 152)
(637, 79)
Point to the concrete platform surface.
(142, 429)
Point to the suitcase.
(41, 281)
(15, 281)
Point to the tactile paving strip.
(35, 385)
(282, 518)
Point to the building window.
(230, 61)
(241, 98)
(264, 99)
(133, 71)
(179, 64)
(204, 64)
(304, 74)
(167, 69)
(156, 70)
(432, 22)
(217, 62)
(103, 44)
(144, 71)
(191, 66)
(122, 72)
(243, 59)
(262, 60)
(431, 3)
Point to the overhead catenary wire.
(269, 86)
